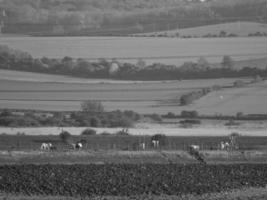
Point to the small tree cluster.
(92, 106)
(189, 114)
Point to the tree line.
(18, 60)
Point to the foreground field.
(165, 50)
(129, 179)
(244, 194)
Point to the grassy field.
(49, 78)
(130, 143)
(166, 50)
(64, 93)
(128, 157)
(49, 92)
(238, 28)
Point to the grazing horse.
(77, 146)
(225, 146)
(46, 146)
(193, 150)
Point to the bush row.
(79, 119)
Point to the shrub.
(239, 115)
(105, 133)
(88, 131)
(65, 136)
(126, 122)
(239, 83)
(156, 117)
(231, 123)
(161, 138)
(123, 132)
(6, 113)
(189, 114)
(170, 115)
(95, 122)
(92, 106)
(227, 62)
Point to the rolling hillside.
(122, 17)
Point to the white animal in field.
(194, 147)
(155, 143)
(224, 145)
(46, 146)
(143, 146)
(77, 145)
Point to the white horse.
(194, 147)
(155, 143)
(225, 146)
(46, 146)
(142, 146)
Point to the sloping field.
(143, 97)
(39, 77)
(238, 28)
(249, 100)
(129, 49)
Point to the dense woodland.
(119, 17)
(17, 60)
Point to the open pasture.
(248, 99)
(129, 49)
(143, 97)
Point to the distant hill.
(122, 17)
(217, 30)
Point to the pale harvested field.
(249, 100)
(166, 50)
(173, 131)
(67, 94)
